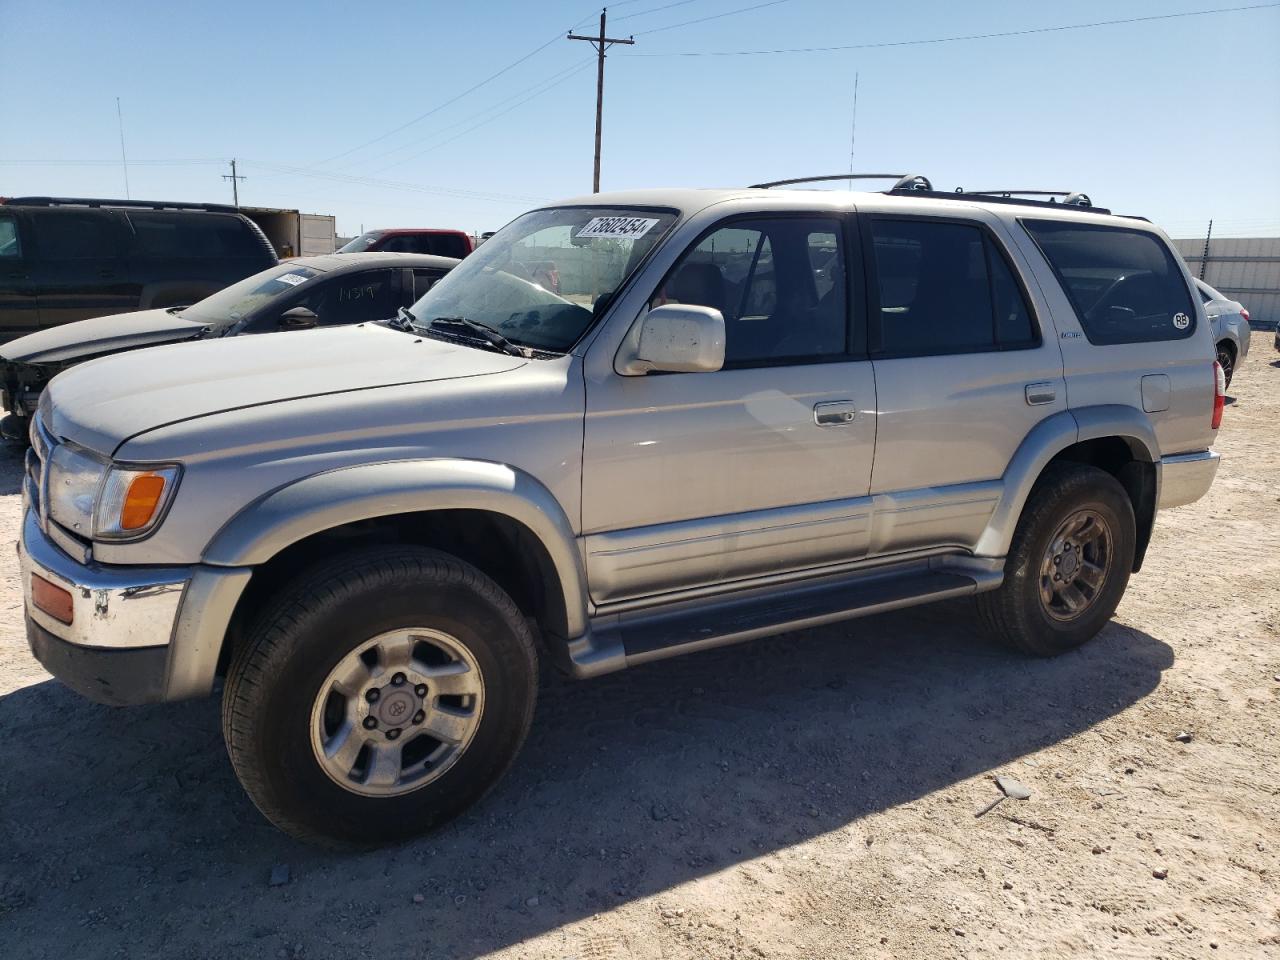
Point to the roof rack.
(1069, 197)
(904, 181)
(127, 204)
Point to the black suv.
(64, 259)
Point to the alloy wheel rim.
(397, 711)
(1075, 565)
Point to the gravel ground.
(809, 796)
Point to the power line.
(641, 13)
(953, 39)
(452, 100)
(541, 86)
(714, 16)
(562, 77)
(397, 184)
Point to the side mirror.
(678, 338)
(298, 318)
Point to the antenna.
(124, 161)
(853, 133)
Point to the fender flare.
(1046, 440)
(337, 497)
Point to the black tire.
(318, 619)
(1227, 360)
(1015, 613)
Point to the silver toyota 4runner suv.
(629, 426)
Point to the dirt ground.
(809, 796)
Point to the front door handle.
(835, 412)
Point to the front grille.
(42, 444)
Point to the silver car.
(1230, 322)
(738, 412)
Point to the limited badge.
(1181, 321)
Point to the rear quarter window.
(1125, 285)
(164, 235)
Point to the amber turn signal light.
(141, 500)
(52, 599)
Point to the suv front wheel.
(381, 694)
(1068, 565)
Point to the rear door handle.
(833, 413)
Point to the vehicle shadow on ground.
(12, 460)
(125, 831)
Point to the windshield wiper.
(403, 320)
(485, 333)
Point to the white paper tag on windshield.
(619, 228)
(292, 279)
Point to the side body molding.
(1045, 441)
(348, 494)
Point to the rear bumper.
(1186, 477)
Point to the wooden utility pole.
(601, 43)
(235, 184)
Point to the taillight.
(1219, 394)
(1244, 313)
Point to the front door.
(701, 479)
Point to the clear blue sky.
(1175, 119)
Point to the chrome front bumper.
(137, 634)
(1186, 477)
(112, 607)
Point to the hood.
(104, 402)
(100, 335)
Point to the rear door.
(18, 312)
(1133, 333)
(966, 364)
(80, 268)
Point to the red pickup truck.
(441, 243)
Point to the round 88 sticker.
(1181, 321)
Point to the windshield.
(542, 279)
(236, 301)
(360, 243)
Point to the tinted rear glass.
(1125, 285)
(76, 234)
(161, 234)
(945, 288)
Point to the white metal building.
(1245, 269)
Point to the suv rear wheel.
(1068, 565)
(381, 694)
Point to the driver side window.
(780, 284)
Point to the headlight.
(74, 478)
(103, 501)
(133, 500)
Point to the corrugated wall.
(1246, 269)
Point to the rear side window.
(76, 235)
(945, 288)
(1125, 285)
(9, 246)
(439, 244)
(161, 234)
